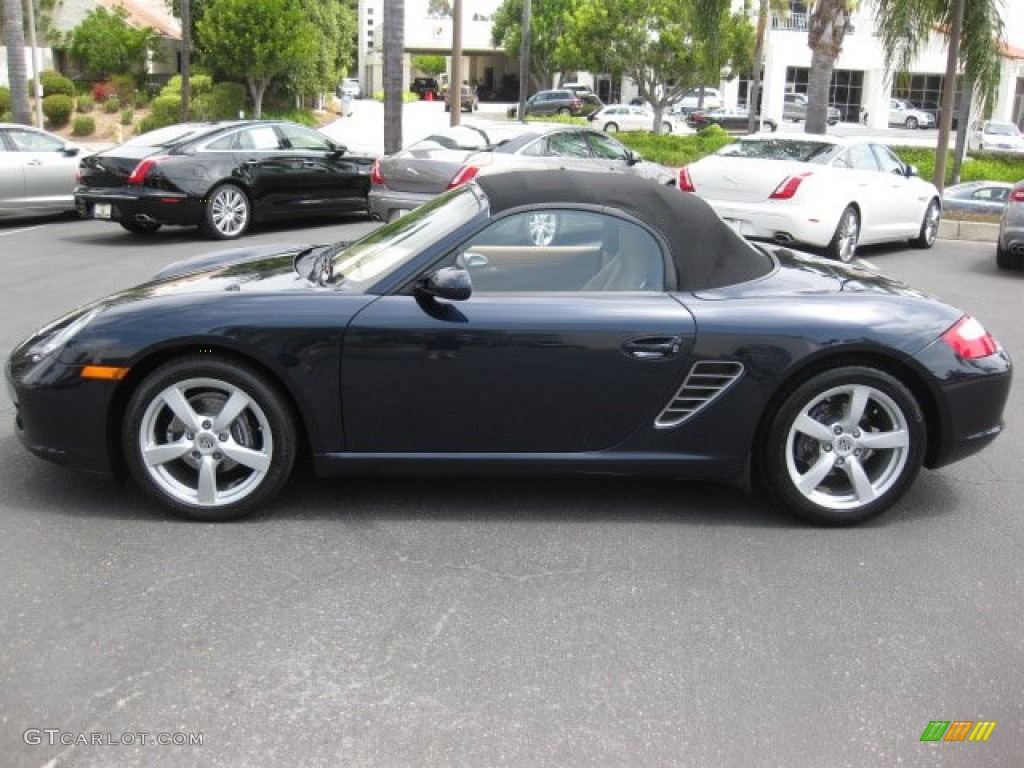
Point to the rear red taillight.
(375, 174)
(970, 340)
(142, 170)
(788, 187)
(465, 174)
(685, 183)
(1017, 195)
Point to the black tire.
(611, 128)
(843, 246)
(141, 228)
(831, 467)
(911, 123)
(772, 127)
(1006, 260)
(929, 226)
(666, 128)
(563, 110)
(228, 213)
(197, 468)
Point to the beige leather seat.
(636, 267)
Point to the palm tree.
(394, 44)
(17, 70)
(826, 29)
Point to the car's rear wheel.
(911, 123)
(843, 245)
(210, 438)
(843, 446)
(140, 227)
(611, 128)
(666, 127)
(227, 213)
(929, 226)
(1006, 260)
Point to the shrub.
(84, 103)
(223, 102)
(125, 88)
(83, 125)
(54, 84)
(111, 105)
(146, 125)
(57, 109)
(103, 91)
(5, 99)
(301, 116)
(406, 96)
(166, 110)
(198, 85)
(127, 115)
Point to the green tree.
(257, 40)
(664, 46)
(429, 65)
(105, 44)
(550, 20)
(334, 27)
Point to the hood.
(232, 256)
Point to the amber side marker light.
(108, 372)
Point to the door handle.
(653, 347)
(34, 162)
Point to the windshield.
(358, 265)
(1002, 129)
(801, 150)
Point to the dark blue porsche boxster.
(527, 321)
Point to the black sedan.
(221, 177)
(646, 337)
(732, 120)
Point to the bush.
(103, 91)
(84, 103)
(198, 85)
(675, 150)
(57, 109)
(111, 105)
(223, 102)
(166, 110)
(301, 116)
(127, 115)
(5, 99)
(124, 86)
(146, 125)
(54, 84)
(406, 96)
(83, 125)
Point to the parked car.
(623, 117)
(37, 172)
(1010, 245)
(825, 191)
(221, 177)
(426, 88)
(794, 107)
(988, 197)
(578, 88)
(453, 156)
(469, 101)
(559, 102)
(734, 120)
(691, 99)
(994, 135)
(902, 112)
(646, 338)
(350, 87)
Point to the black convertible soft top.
(707, 253)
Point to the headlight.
(51, 341)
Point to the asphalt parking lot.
(592, 621)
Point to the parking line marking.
(26, 229)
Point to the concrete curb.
(975, 231)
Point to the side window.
(30, 141)
(887, 160)
(262, 137)
(606, 147)
(539, 148)
(296, 137)
(862, 159)
(559, 250)
(228, 142)
(568, 144)
(843, 161)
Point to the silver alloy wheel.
(930, 230)
(847, 235)
(205, 442)
(229, 211)
(542, 228)
(847, 447)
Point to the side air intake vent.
(705, 381)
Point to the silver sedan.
(37, 172)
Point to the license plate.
(101, 211)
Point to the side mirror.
(70, 150)
(451, 283)
(633, 158)
(911, 170)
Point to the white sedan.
(997, 136)
(627, 117)
(823, 191)
(37, 172)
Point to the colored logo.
(958, 730)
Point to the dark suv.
(556, 102)
(421, 86)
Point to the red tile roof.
(148, 13)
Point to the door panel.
(510, 373)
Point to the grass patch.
(674, 150)
(979, 166)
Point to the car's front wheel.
(611, 128)
(843, 245)
(929, 226)
(227, 213)
(666, 128)
(843, 446)
(210, 438)
(912, 123)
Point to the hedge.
(83, 125)
(57, 109)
